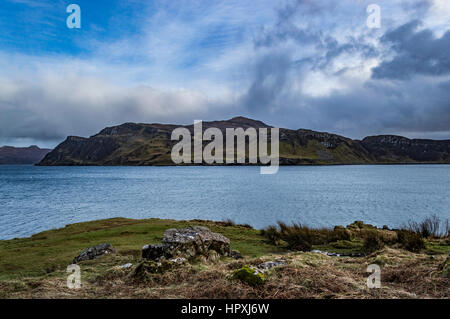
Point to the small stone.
(93, 252)
(270, 264)
(236, 254)
(178, 260)
(125, 266)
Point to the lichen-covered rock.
(188, 242)
(249, 275)
(93, 252)
(196, 240)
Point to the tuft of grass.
(272, 234)
(302, 238)
(410, 240)
(297, 236)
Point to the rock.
(236, 254)
(93, 252)
(196, 240)
(188, 242)
(338, 254)
(125, 266)
(270, 264)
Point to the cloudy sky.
(297, 64)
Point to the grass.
(35, 267)
(342, 246)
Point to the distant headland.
(10, 155)
(150, 144)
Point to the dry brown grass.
(308, 275)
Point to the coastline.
(237, 165)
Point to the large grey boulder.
(93, 252)
(188, 242)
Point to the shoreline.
(241, 165)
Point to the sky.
(314, 64)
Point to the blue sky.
(296, 64)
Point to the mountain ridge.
(141, 144)
(10, 155)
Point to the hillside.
(22, 155)
(150, 144)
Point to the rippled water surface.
(33, 199)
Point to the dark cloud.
(269, 80)
(410, 108)
(50, 110)
(415, 52)
(379, 105)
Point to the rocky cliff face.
(391, 148)
(22, 155)
(150, 144)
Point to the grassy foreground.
(35, 267)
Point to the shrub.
(228, 222)
(297, 236)
(410, 240)
(272, 234)
(340, 233)
(429, 227)
(373, 241)
(249, 276)
(301, 237)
